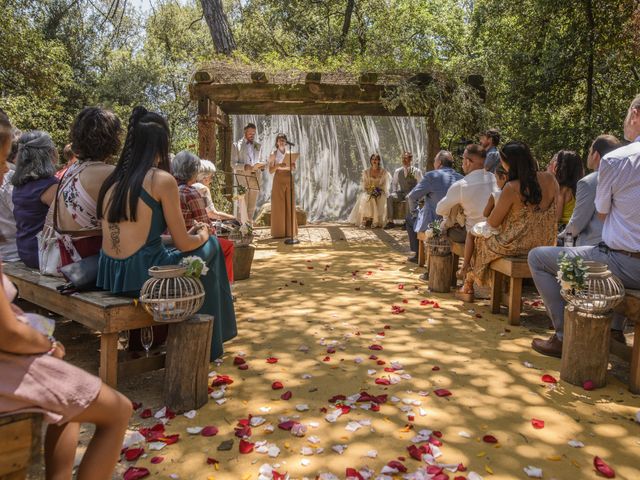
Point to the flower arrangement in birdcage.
(436, 240)
(242, 234)
(240, 192)
(588, 286)
(174, 292)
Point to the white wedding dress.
(370, 207)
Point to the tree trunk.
(218, 26)
(347, 21)
(588, 5)
(440, 267)
(433, 141)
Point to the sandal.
(466, 293)
(462, 272)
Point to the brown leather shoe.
(552, 347)
(618, 336)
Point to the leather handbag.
(82, 274)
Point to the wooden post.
(206, 129)
(108, 369)
(515, 300)
(440, 273)
(496, 291)
(226, 144)
(585, 348)
(433, 141)
(187, 364)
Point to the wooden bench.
(21, 446)
(515, 269)
(630, 308)
(100, 311)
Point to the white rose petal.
(131, 438)
(273, 451)
(339, 449)
(156, 445)
(194, 430)
(474, 476)
(305, 462)
(353, 426)
(257, 421)
(576, 444)
(371, 372)
(528, 364)
(265, 409)
(357, 360)
(533, 472)
(161, 413)
(221, 401)
(372, 453)
(190, 414)
(638, 416)
(306, 451)
(464, 434)
(313, 439)
(303, 407)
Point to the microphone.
(291, 144)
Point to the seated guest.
(95, 139)
(34, 187)
(138, 202)
(69, 159)
(568, 172)
(432, 188)
(584, 226)
(489, 141)
(404, 180)
(502, 177)
(35, 378)
(8, 247)
(616, 201)
(524, 214)
(370, 208)
(206, 171)
(185, 167)
(471, 193)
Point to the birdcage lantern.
(601, 293)
(439, 245)
(171, 296)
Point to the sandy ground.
(318, 308)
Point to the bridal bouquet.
(374, 192)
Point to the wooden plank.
(496, 291)
(457, 248)
(634, 375)
(516, 267)
(310, 108)
(515, 300)
(421, 250)
(108, 370)
(135, 366)
(15, 448)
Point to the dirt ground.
(321, 309)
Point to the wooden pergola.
(222, 89)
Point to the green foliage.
(572, 272)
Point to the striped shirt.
(618, 196)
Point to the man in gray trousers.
(617, 199)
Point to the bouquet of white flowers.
(195, 266)
(572, 272)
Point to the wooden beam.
(309, 108)
(259, 77)
(313, 77)
(207, 113)
(368, 79)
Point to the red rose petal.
(146, 413)
(375, 347)
(156, 460)
(434, 470)
(170, 439)
(352, 473)
(537, 423)
(337, 398)
(602, 468)
(272, 360)
(436, 305)
(331, 350)
(383, 381)
(286, 395)
(589, 385)
(135, 473)
(239, 361)
(277, 386)
(397, 465)
(400, 286)
(221, 380)
(373, 357)
(462, 468)
(245, 447)
(437, 433)
(288, 425)
(489, 439)
(209, 431)
(326, 359)
(435, 368)
(136, 405)
(387, 327)
(389, 369)
(243, 367)
(442, 392)
(404, 300)
(381, 362)
(212, 461)
(278, 476)
(132, 454)
(549, 379)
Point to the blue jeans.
(543, 262)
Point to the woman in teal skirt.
(137, 203)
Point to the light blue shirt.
(618, 196)
(433, 187)
(492, 160)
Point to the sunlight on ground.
(318, 307)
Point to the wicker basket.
(439, 246)
(170, 296)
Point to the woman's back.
(548, 187)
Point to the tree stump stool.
(242, 260)
(440, 271)
(187, 364)
(21, 445)
(585, 348)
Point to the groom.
(245, 161)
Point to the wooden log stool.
(21, 446)
(585, 347)
(242, 260)
(187, 363)
(440, 267)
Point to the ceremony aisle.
(346, 365)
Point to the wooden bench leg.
(455, 260)
(496, 291)
(634, 376)
(515, 300)
(109, 359)
(420, 253)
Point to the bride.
(370, 209)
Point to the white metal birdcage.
(601, 293)
(169, 295)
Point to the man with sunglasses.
(617, 199)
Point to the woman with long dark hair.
(569, 170)
(281, 195)
(524, 214)
(137, 203)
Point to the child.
(501, 179)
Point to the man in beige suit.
(245, 160)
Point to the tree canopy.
(555, 74)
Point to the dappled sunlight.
(318, 307)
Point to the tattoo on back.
(114, 233)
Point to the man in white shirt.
(471, 193)
(617, 199)
(245, 161)
(404, 180)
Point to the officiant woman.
(282, 199)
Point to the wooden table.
(99, 311)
